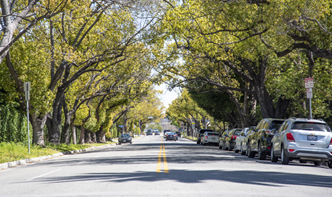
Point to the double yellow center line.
(162, 152)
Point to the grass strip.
(18, 151)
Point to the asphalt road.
(153, 167)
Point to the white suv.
(303, 139)
(210, 138)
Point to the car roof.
(307, 120)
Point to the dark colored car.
(229, 139)
(260, 141)
(222, 138)
(149, 132)
(165, 131)
(170, 136)
(201, 133)
(125, 138)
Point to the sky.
(168, 96)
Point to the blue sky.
(168, 96)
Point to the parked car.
(238, 142)
(201, 133)
(222, 139)
(170, 136)
(229, 139)
(124, 138)
(165, 131)
(157, 133)
(149, 132)
(178, 133)
(303, 139)
(246, 139)
(260, 141)
(210, 138)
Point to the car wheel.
(236, 151)
(261, 155)
(329, 164)
(317, 163)
(119, 143)
(224, 146)
(251, 154)
(241, 151)
(198, 142)
(273, 157)
(229, 147)
(284, 158)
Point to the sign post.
(309, 84)
(27, 88)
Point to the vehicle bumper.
(309, 155)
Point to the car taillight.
(290, 137)
(331, 141)
(268, 131)
(166, 135)
(206, 137)
(233, 137)
(291, 150)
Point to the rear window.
(213, 134)
(237, 132)
(204, 130)
(311, 126)
(276, 125)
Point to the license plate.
(124, 140)
(213, 138)
(312, 138)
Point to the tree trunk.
(88, 139)
(93, 137)
(82, 136)
(38, 124)
(73, 134)
(54, 133)
(101, 135)
(66, 128)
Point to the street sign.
(193, 125)
(309, 82)
(309, 92)
(27, 88)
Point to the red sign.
(309, 82)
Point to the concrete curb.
(4, 166)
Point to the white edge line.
(43, 175)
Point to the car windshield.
(237, 132)
(276, 125)
(203, 131)
(213, 134)
(125, 135)
(311, 126)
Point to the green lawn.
(17, 151)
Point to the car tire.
(198, 142)
(119, 143)
(273, 157)
(329, 164)
(317, 163)
(224, 146)
(241, 151)
(251, 154)
(236, 151)
(284, 158)
(261, 155)
(230, 147)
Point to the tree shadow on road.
(276, 179)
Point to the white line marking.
(43, 175)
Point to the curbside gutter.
(4, 166)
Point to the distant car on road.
(165, 131)
(157, 133)
(170, 136)
(210, 138)
(229, 139)
(149, 132)
(125, 138)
